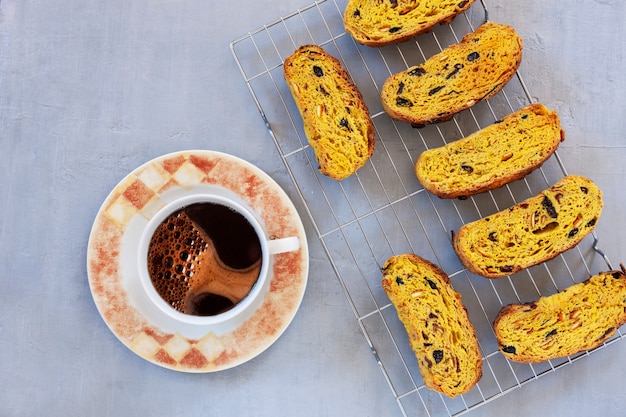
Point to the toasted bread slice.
(336, 121)
(581, 317)
(380, 23)
(492, 157)
(531, 232)
(455, 79)
(439, 330)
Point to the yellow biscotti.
(379, 23)
(439, 330)
(455, 79)
(336, 121)
(492, 157)
(531, 232)
(578, 318)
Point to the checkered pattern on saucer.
(139, 195)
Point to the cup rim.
(238, 309)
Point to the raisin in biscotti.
(436, 321)
(578, 318)
(379, 23)
(456, 78)
(336, 121)
(531, 232)
(492, 157)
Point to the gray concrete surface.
(89, 90)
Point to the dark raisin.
(357, 13)
(462, 4)
(585, 190)
(417, 125)
(399, 281)
(493, 236)
(524, 117)
(403, 102)
(573, 232)
(524, 205)
(431, 283)
(344, 123)
(318, 71)
(547, 204)
(509, 349)
(394, 3)
(438, 355)
(427, 344)
(547, 228)
(457, 67)
(473, 56)
(322, 90)
(591, 223)
(435, 90)
(551, 333)
(395, 29)
(428, 362)
(467, 168)
(400, 88)
(432, 316)
(506, 268)
(616, 275)
(419, 71)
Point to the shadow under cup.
(206, 258)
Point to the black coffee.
(204, 258)
(235, 239)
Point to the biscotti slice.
(336, 121)
(456, 78)
(379, 23)
(531, 232)
(578, 318)
(439, 330)
(492, 157)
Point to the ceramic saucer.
(113, 277)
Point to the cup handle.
(287, 244)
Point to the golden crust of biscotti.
(492, 157)
(531, 232)
(380, 23)
(581, 317)
(336, 120)
(455, 79)
(440, 332)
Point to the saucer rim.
(294, 220)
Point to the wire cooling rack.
(382, 210)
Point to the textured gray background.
(89, 90)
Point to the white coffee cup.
(250, 302)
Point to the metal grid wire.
(382, 210)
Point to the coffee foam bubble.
(184, 266)
(173, 258)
